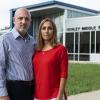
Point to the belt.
(21, 82)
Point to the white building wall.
(83, 22)
(95, 58)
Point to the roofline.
(77, 7)
(53, 2)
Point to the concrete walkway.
(94, 95)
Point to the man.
(16, 50)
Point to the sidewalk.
(94, 95)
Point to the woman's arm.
(61, 89)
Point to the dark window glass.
(70, 42)
(84, 42)
(98, 42)
(92, 42)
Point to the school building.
(78, 28)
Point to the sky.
(6, 5)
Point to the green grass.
(83, 78)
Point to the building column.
(64, 26)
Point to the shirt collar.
(17, 35)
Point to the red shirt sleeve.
(64, 62)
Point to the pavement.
(94, 95)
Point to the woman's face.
(47, 31)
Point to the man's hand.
(4, 98)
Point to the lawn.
(83, 78)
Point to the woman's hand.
(58, 98)
(4, 98)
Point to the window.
(84, 42)
(93, 42)
(98, 42)
(70, 42)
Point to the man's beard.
(23, 30)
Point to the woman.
(50, 63)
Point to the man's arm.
(3, 90)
